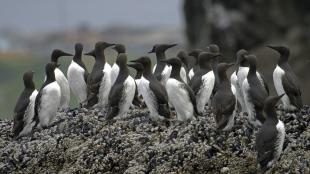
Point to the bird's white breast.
(183, 75)
(77, 82)
(148, 96)
(128, 95)
(165, 74)
(105, 86)
(238, 90)
(114, 73)
(280, 138)
(205, 91)
(180, 99)
(50, 101)
(64, 87)
(278, 73)
(191, 73)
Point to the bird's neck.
(283, 59)
(100, 57)
(160, 55)
(147, 71)
(175, 72)
(271, 115)
(138, 75)
(50, 77)
(215, 71)
(77, 57)
(252, 69)
(29, 85)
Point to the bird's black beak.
(91, 53)
(110, 44)
(172, 45)
(135, 61)
(273, 47)
(152, 50)
(66, 54)
(230, 64)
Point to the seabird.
(24, 108)
(203, 80)
(285, 81)
(138, 99)
(61, 79)
(186, 61)
(224, 102)
(77, 75)
(119, 48)
(99, 80)
(180, 94)
(161, 70)
(254, 94)
(48, 99)
(194, 54)
(153, 92)
(122, 91)
(241, 73)
(270, 137)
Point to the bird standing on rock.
(119, 48)
(179, 93)
(270, 137)
(254, 94)
(235, 81)
(194, 54)
(24, 108)
(224, 102)
(203, 80)
(48, 99)
(153, 92)
(285, 81)
(161, 70)
(61, 80)
(122, 91)
(77, 75)
(99, 80)
(138, 99)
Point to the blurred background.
(30, 30)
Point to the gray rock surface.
(83, 142)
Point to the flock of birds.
(186, 83)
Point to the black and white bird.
(99, 80)
(186, 62)
(77, 75)
(61, 79)
(202, 83)
(122, 91)
(224, 102)
(153, 92)
(180, 95)
(119, 48)
(48, 99)
(24, 108)
(254, 93)
(240, 61)
(270, 137)
(285, 81)
(194, 54)
(161, 70)
(138, 99)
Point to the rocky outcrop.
(84, 142)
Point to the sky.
(38, 15)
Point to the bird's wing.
(265, 144)
(19, 113)
(292, 90)
(191, 96)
